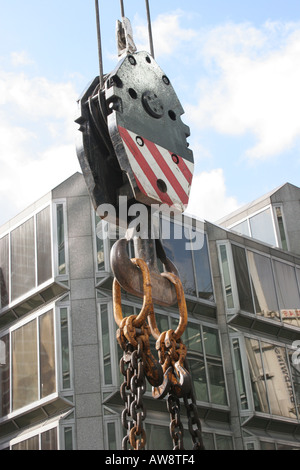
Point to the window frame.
(241, 337)
(247, 219)
(40, 401)
(55, 203)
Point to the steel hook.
(130, 277)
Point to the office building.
(59, 358)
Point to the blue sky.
(235, 66)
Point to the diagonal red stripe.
(184, 169)
(167, 171)
(144, 165)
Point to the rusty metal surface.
(130, 276)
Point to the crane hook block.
(148, 135)
(132, 140)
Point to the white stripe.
(175, 169)
(160, 174)
(138, 171)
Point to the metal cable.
(122, 9)
(99, 44)
(149, 29)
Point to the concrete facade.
(239, 409)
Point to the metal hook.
(129, 276)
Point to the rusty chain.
(169, 376)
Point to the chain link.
(132, 391)
(169, 376)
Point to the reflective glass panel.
(262, 227)
(176, 251)
(65, 352)
(203, 274)
(111, 432)
(24, 365)
(43, 241)
(278, 379)
(158, 437)
(281, 228)
(4, 271)
(295, 371)
(288, 292)
(263, 285)
(224, 442)
(47, 355)
(99, 243)
(61, 239)
(4, 376)
(242, 279)
(242, 228)
(22, 259)
(208, 441)
(193, 341)
(29, 444)
(239, 372)
(226, 276)
(68, 435)
(214, 366)
(257, 375)
(106, 344)
(49, 440)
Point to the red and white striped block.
(151, 163)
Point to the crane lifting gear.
(133, 143)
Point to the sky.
(234, 64)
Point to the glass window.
(4, 376)
(61, 239)
(65, 351)
(106, 344)
(226, 276)
(208, 441)
(295, 371)
(158, 437)
(43, 240)
(25, 365)
(28, 444)
(224, 442)
(214, 366)
(176, 251)
(242, 279)
(240, 374)
(278, 380)
(193, 340)
(49, 440)
(287, 291)
(68, 437)
(262, 227)
(22, 259)
(111, 436)
(99, 243)
(263, 285)
(280, 223)
(32, 363)
(242, 228)
(271, 380)
(4, 270)
(266, 445)
(257, 377)
(203, 275)
(47, 355)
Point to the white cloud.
(168, 34)
(253, 85)
(208, 198)
(20, 58)
(37, 135)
